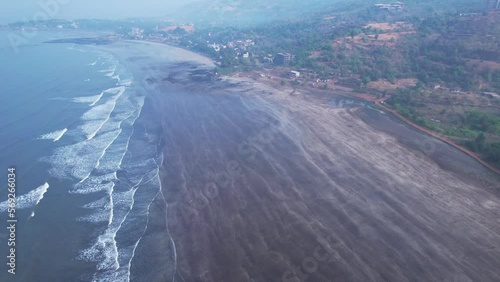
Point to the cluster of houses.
(241, 49)
(451, 90)
(55, 23)
(390, 6)
(241, 44)
(136, 33)
(237, 45)
(491, 95)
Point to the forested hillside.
(248, 13)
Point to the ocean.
(87, 158)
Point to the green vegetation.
(473, 128)
(485, 124)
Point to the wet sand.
(264, 186)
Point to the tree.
(353, 33)
(480, 141)
(179, 31)
(366, 79)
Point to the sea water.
(87, 164)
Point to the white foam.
(91, 190)
(109, 161)
(86, 99)
(96, 183)
(106, 162)
(61, 135)
(96, 217)
(111, 204)
(99, 111)
(145, 228)
(98, 98)
(112, 158)
(106, 148)
(105, 250)
(43, 190)
(103, 202)
(89, 128)
(105, 138)
(101, 124)
(28, 200)
(93, 64)
(110, 72)
(99, 115)
(54, 136)
(126, 82)
(78, 160)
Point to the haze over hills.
(238, 12)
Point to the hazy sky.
(11, 11)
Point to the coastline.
(321, 98)
(440, 137)
(202, 59)
(377, 103)
(154, 257)
(257, 181)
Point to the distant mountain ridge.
(239, 12)
(255, 12)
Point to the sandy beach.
(261, 185)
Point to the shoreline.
(398, 116)
(322, 98)
(203, 59)
(441, 138)
(255, 180)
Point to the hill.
(248, 13)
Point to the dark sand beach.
(262, 185)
